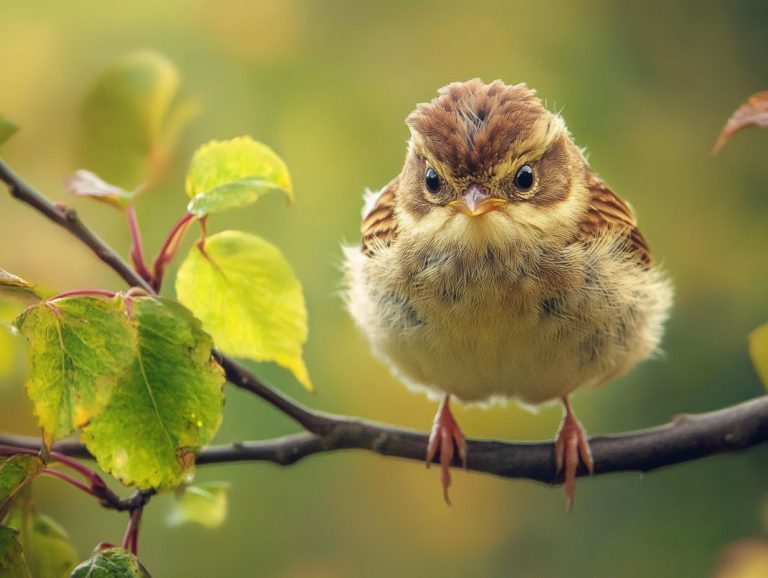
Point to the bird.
(498, 265)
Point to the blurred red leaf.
(753, 112)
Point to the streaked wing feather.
(607, 211)
(379, 226)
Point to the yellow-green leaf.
(232, 174)
(111, 563)
(127, 116)
(12, 563)
(166, 406)
(758, 351)
(79, 348)
(248, 299)
(7, 129)
(15, 472)
(204, 504)
(47, 549)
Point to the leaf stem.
(137, 252)
(9, 450)
(69, 479)
(168, 250)
(76, 466)
(131, 536)
(84, 293)
(96, 487)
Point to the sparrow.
(498, 265)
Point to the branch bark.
(687, 437)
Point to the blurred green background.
(644, 86)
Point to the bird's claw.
(571, 448)
(446, 437)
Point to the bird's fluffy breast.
(502, 323)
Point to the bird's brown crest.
(470, 126)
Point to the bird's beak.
(475, 201)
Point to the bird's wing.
(379, 226)
(609, 212)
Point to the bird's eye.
(524, 178)
(432, 180)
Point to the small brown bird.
(497, 264)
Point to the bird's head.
(491, 160)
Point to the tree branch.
(686, 438)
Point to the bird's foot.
(571, 447)
(446, 437)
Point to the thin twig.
(239, 376)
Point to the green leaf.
(87, 184)
(7, 129)
(16, 285)
(127, 117)
(248, 298)
(166, 406)
(12, 563)
(111, 563)
(204, 504)
(79, 347)
(46, 546)
(758, 351)
(232, 195)
(15, 472)
(232, 174)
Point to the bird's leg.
(445, 434)
(571, 446)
